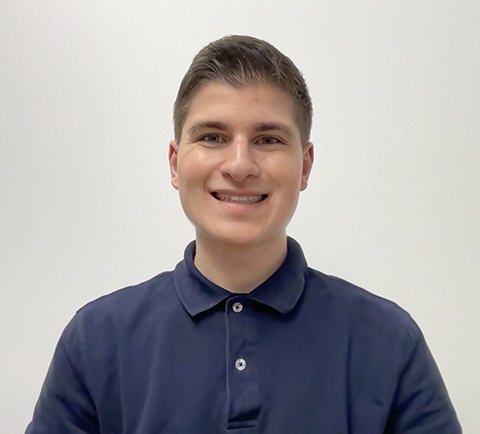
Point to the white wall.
(86, 91)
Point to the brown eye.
(269, 141)
(212, 138)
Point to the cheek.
(289, 173)
(189, 173)
(194, 167)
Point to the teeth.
(239, 199)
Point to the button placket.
(242, 376)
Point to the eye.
(268, 140)
(212, 138)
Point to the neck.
(236, 268)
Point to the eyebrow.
(260, 127)
(274, 126)
(206, 124)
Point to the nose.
(240, 161)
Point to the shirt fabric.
(304, 353)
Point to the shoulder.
(132, 297)
(365, 312)
(387, 356)
(376, 333)
(126, 307)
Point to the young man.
(242, 336)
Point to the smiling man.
(242, 337)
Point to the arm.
(422, 404)
(65, 404)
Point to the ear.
(172, 159)
(307, 151)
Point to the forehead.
(241, 106)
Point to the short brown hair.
(238, 61)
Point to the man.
(242, 336)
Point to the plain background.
(86, 94)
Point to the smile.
(245, 200)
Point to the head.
(240, 61)
(241, 153)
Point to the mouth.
(244, 200)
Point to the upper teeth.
(239, 199)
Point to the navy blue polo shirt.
(304, 353)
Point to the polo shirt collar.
(281, 291)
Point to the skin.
(239, 168)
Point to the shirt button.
(240, 364)
(237, 307)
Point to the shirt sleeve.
(422, 404)
(65, 404)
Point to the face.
(240, 164)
